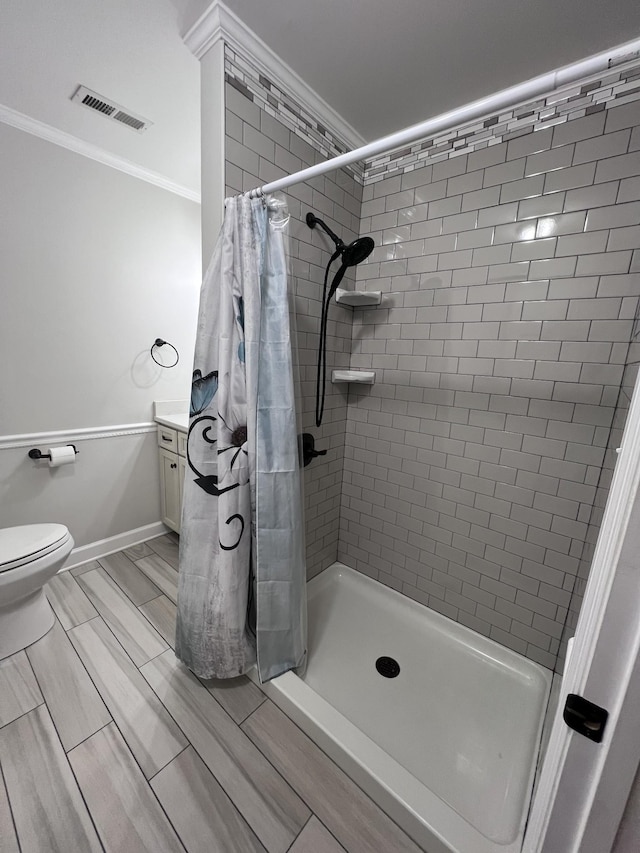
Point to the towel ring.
(160, 343)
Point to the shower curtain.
(241, 594)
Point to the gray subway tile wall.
(473, 475)
(477, 466)
(600, 493)
(261, 148)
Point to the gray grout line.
(306, 823)
(113, 721)
(178, 727)
(171, 760)
(24, 714)
(340, 770)
(220, 783)
(88, 737)
(3, 781)
(222, 788)
(117, 582)
(53, 722)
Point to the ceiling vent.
(110, 109)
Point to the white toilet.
(30, 555)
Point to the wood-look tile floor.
(108, 743)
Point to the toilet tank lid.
(17, 543)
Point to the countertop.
(179, 422)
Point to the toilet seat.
(29, 542)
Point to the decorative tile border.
(610, 90)
(249, 81)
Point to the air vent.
(125, 118)
(110, 109)
(97, 104)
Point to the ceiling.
(382, 65)
(387, 64)
(127, 50)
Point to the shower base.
(448, 745)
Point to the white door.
(584, 785)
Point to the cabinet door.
(182, 466)
(169, 489)
(182, 444)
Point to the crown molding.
(26, 123)
(219, 23)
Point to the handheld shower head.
(357, 251)
(350, 256)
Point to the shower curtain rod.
(507, 98)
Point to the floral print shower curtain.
(242, 573)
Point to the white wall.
(112, 488)
(95, 265)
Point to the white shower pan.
(448, 747)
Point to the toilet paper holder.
(35, 453)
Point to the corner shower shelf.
(358, 298)
(363, 377)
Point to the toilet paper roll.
(61, 456)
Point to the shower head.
(349, 255)
(357, 251)
(352, 254)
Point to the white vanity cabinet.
(172, 451)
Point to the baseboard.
(104, 547)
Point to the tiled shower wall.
(602, 492)
(261, 147)
(473, 473)
(511, 277)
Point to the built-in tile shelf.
(358, 298)
(362, 377)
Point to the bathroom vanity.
(172, 456)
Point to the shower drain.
(388, 667)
